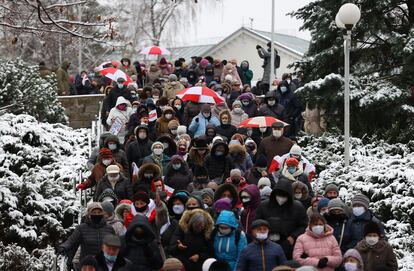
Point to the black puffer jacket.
(178, 179)
(291, 216)
(122, 189)
(89, 237)
(218, 166)
(139, 149)
(143, 253)
(119, 155)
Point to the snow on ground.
(383, 172)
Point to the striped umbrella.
(200, 95)
(114, 74)
(155, 50)
(107, 64)
(258, 122)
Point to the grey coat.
(263, 53)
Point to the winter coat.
(272, 146)
(116, 224)
(249, 213)
(291, 216)
(128, 69)
(89, 237)
(266, 55)
(162, 164)
(236, 118)
(340, 228)
(381, 254)
(178, 179)
(290, 102)
(305, 199)
(225, 247)
(142, 181)
(122, 188)
(261, 256)
(318, 247)
(138, 149)
(122, 115)
(114, 94)
(276, 111)
(143, 253)
(199, 128)
(232, 70)
(248, 74)
(161, 125)
(62, 77)
(226, 130)
(119, 154)
(253, 176)
(171, 89)
(251, 108)
(190, 111)
(218, 166)
(153, 73)
(240, 158)
(167, 139)
(197, 243)
(121, 263)
(98, 171)
(355, 226)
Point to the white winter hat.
(228, 77)
(207, 263)
(295, 150)
(263, 181)
(157, 143)
(112, 169)
(217, 138)
(181, 130)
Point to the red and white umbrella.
(114, 74)
(106, 64)
(258, 122)
(155, 50)
(200, 95)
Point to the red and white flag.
(152, 116)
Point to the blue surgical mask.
(219, 153)
(109, 258)
(283, 89)
(291, 170)
(112, 146)
(176, 166)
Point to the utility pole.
(272, 49)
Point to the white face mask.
(112, 146)
(238, 110)
(107, 162)
(319, 229)
(158, 151)
(168, 116)
(358, 211)
(372, 241)
(178, 209)
(225, 232)
(176, 166)
(120, 85)
(225, 122)
(298, 196)
(263, 129)
(245, 200)
(277, 133)
(274, 237)
(178, 107)
(262, 236)
(271, 103)
(351, 266)
(281, 200)
(142, 136)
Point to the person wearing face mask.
(228, 190)
(89, 234)
(116, 181)
(197, 153)
(301, 193)
(323, 206)
(99, 170)
(170, 146)
(178, 175)
(112, 142)
(353, 261)
(271, 107)
(141, 246)
(200, 179)
(172, 87)
(317, 246)
(140, 148)
(237, 114)
(172, 128)
(158, 157)
(109, 257)
(275, 144)
(261, 254)
(375, 250)
(226, 128)
(120, 114)
(146, 174)
(250, 198)
(337, 219)
(361, 215)
(238, 181)
(291, 213)
(127, 67)
(161, 125)
(178, 107)
(218, 162)
(199, 123)
(229, 241)
(249, 105)
(292, 105)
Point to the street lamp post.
(272, 47)
(346, 18)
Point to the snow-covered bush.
(383, 172)
(38, 162)
(31, 94)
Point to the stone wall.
(81, 109)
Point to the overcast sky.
(229, 15)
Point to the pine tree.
(382, 63)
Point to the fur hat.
(181, 129)
(142, 196)
(372, 227)
(172, 264)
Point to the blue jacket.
(199, 128)
(225, 247)
(261, 256)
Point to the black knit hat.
(261, 161)
(89, 260)
(143, 196)
(371, 227)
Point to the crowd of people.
(179, 186)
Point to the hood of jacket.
(140, 221)
(224, 187)
(225, 112)
(113, 138)
(245, 62)
(182, 195)
(303, 188)
(219, 143)
(141, 127)
(237, 150)
(185, 221)
(102, 138)
(168, 109)
(254, 193)
(121, 100)
(149, 167)
(285, 186)
(227, 218)
(126, 59)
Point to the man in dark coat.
(141, 247)
(115, 181)
(140, 148)
(275, 144)
(109, 257)
(218, 162)
(178, 175)
(271, 107)
(119, 90)
(283, 210)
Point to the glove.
(304, 255)
(81, 186)
(60, 250)
(323, 262)
(258, 47)
(197, 120)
